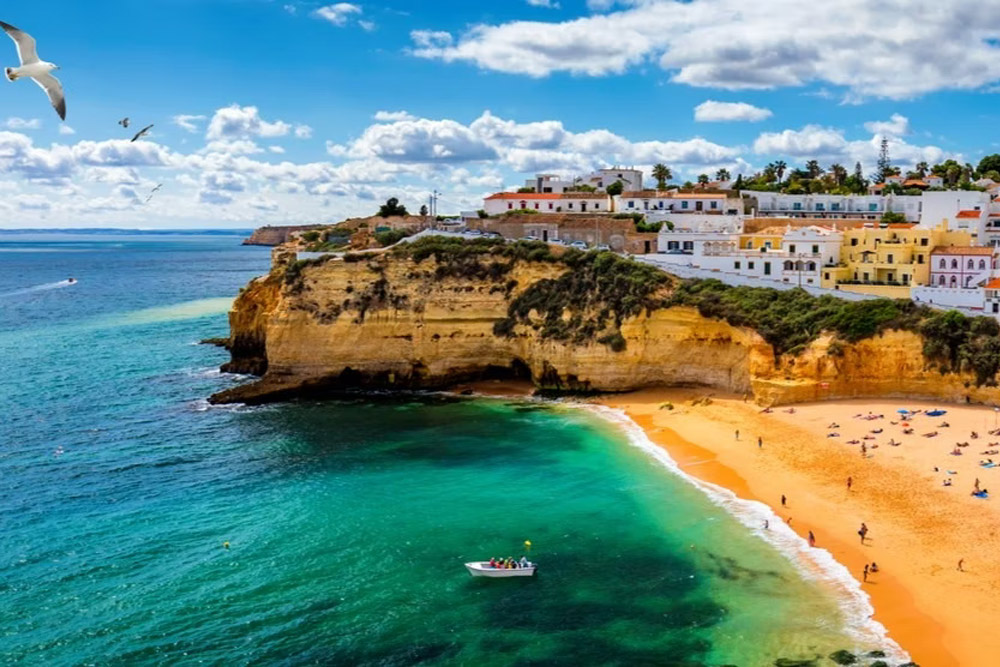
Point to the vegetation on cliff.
(791, 319)
(589, 301)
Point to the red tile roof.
(993, 284)
(969, 214)
(526, 196)
(962, 250)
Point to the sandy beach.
(919, 528)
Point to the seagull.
(153, 192)
(143, 132)
(124, 122)
(33, 68)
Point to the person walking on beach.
(863, 532)
(767, 524)
(760, 442)
(960, 561)
(864, 450)
(783, 499)
(850, 482)
(737, 434)
(864, 575)
(812, 539)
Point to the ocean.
(141, 526)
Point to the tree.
(423, 210)
(884, 163)
(813, 169)
(779, 169)
(922, 168)
(989, 163)
(615, 189)
(722, 175)
(662, 174)
(839, 174)
(892, 217)
(525, 190)
(739, 185)
(392, 207)
(702, 180)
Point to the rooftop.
(962, 250)
(969, 214)
(526, 196)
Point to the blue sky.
(265, 112)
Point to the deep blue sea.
(347, 522)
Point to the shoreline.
(919, 529)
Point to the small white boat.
(484, 569)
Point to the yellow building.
(887, 260)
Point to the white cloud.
(240, 122)
(367, 26)
(896, 126)
(549, 4)
(15, 123)
(339, 13)
(32, 202)
(734, 45)
(711, 111)
(66, 130)
(263, 204)
(188, 122)
(392, 116)
(232, 147)
(276, 149)
(303, 132)
(810, 141)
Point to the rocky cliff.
(396, 322)
(273, 236)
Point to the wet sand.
(918, 528)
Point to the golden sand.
(919, 529)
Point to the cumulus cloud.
(32, 202)
(734, 45)
(896, 126)
(263, 204)
(15, 123)
(711, 111)
(548, 4)
(235, 122)
(303, 132)
(338, 14)
(392, 116)
(188, 122)
(66, 130)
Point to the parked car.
(579, 245)
(493, 235)
(604, 246)
(476, 232)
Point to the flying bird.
(143, 132)
(124, 122)
(33, 68)
(153, 192)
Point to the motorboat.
(484, 569)
(71, 281)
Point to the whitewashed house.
(863, 207)
(567, 202)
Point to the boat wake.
(39, 288)
(813, 563)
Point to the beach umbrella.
(903, 411)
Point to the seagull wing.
(26, 50)
(54, 90)
(141, 132)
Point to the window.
(750, 265)
(715, 204)
(889, 259)
(736, 265)
(854, 242)
(920, 259)
(812, 266)
(797, 206)
(788, 266)
(767, 268)
(645, 205)
(815, 249)
(767, 245)
(954, 263)
(953, 281)
(968, 279)
(982, 264)
(943, 264)
(835, 206)
(865, 277)
(510, 206)
(631, 204)
(550, 206)
(689, 245)
(826, 276)
(970, 265)
(820, 207)
(597, 205)
(941, 281)
(791, 248)
(684, 204)
(872, 207)
(673, 245)
(923, 241)
(570, 205)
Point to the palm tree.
(779, 169)
(839, 173)
(722, 175)
(921, 169)
(662, 174)
(812, 166)
(703, 180)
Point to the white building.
(961, 209)
(568, 202)
(964, 267)
(798, 256)
(864, 207)
(631, 179)
(676, 202)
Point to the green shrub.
(616, 341)
(390, 237)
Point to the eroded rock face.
(394, 323)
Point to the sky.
(292, 112)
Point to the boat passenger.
(524, 561)
(493, 562)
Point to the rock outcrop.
(392, 322)
(273, 236)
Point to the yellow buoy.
(225, 545)
(527, 543)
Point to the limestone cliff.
(394, 322)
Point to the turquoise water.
(348, 522)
